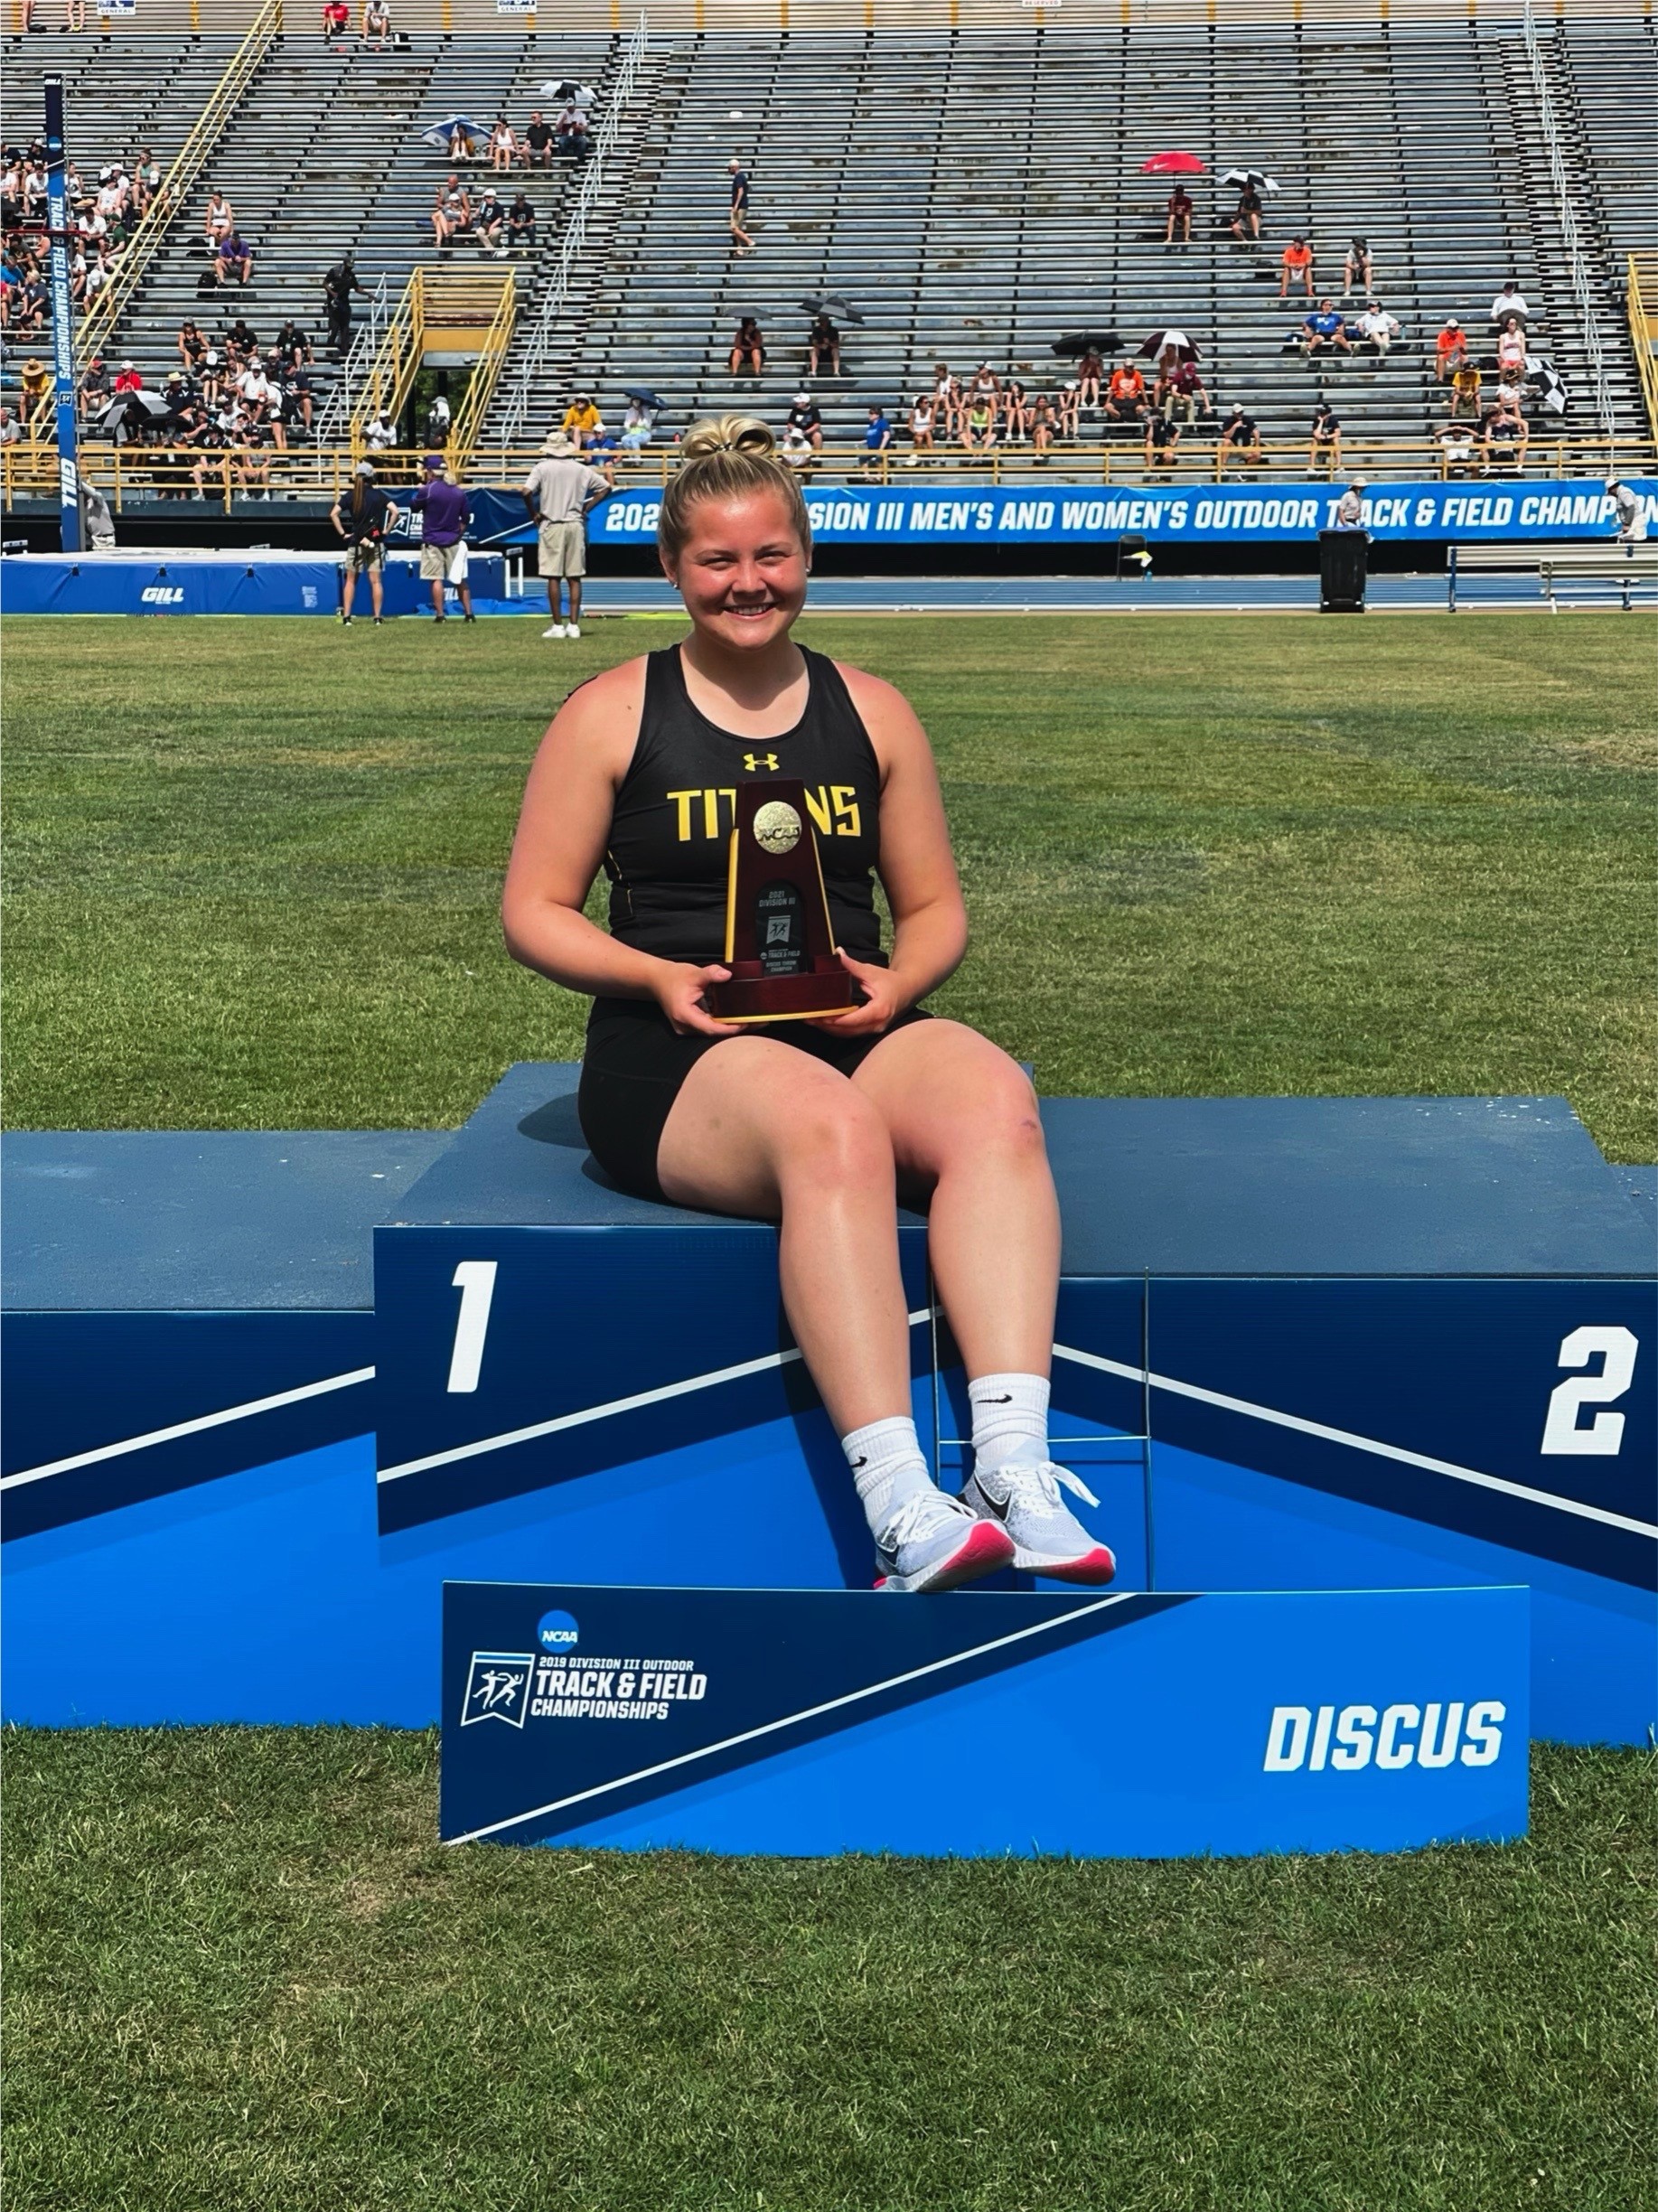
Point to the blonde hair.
(727, 457)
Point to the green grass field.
(252, 871)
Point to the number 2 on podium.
(475, 1281)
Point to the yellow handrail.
(205, 133)
(1642, 289)
(498, 338)
(392, 371)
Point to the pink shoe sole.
(985, 1548)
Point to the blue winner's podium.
(1383, 1346)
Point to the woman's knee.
(834, 1139)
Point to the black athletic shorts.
(635, 1062)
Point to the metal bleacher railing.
(340, 404)
(100, 319)
(1582, 288)
(1641, 300)
(528, 389)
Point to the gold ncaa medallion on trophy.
(779, 944)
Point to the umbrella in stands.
(1162, 341)
(1257, 177)
(1172, 164)
(1075, 342)
(644, 396)
(133, 410)
(812, 304)
(567, 89)
(439, 134)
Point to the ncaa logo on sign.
(556, 1633)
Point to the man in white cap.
(1629, 513)
(558, 492)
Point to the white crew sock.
(888, 1465)
(1010, 1421)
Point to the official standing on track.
(558, 492)
(445, 516)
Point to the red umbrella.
(1172, 164)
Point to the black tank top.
(669, 837)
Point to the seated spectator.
(570, 132)
(806, 418)
(582, 422)
(336, 20)
(217, 223)
(1246, 223)
(823, 344)
(1451, 350)
(748, 348)
(129, 377)
(376, 24)
(490, 224)
(234, 264)
(1295, 266)
(192, 344)
(451, 213)
(293, 346)
(985, 384)
(1456, 444)
(1376, 327)
(1326, 326)
(253, 387)
(1090, 370)
(637, 426)
(1015, 412)
(1324, 450)
(1044, 422)
(1504, 442)
(1162, 441)
(1511, 348)
(1510, 302)
(27, 303)
(947, 397)
(978, 423)
(1124, 395)
(1464, 389)
(522, 225)
(437, 421)
(250, 460)
(536, 146)
(94, 392)
(799, 451)
(379, 432)
(240, 344)
(212, 381)
(1241, 437)
(504, 145)
(147, 180)
(1357, 268)
(11, 429)
(1186, 389)
(877, 440)
(296, 397)
(34, 388)
(1180, 209)
(924, 422)
(101, 271)
(1068, 405)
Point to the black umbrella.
(1160, 341)
(644, 395)
(1257, 177)
(134, 408)
(1087, 341)
(812, 304)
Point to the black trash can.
(1343, 555)
(1132, 558)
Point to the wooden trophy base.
(753, 996)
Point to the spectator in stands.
(823, 344)
(978, 421)
(570, 132)
(923, 423)
(877, 442)
(1296, 264)
(1015, 412)
(522, 225)
(34, 388)
(437, 421)
(1246, 222)
(451, 213)
(1451, 350)
(1124, 395)
(218, 223)
(234, 264)
(1180, 209)
(1357, 268)
(1162, 441)
(637, 426)
(490, 224)
(741, 242)
(296, 397)
(240, 345)
(536, 146)
(336, 20)
(362, 517)
(581, 421)
(558, 492)
(77, 275)
(986, 385)
(101, 271)
(799, 451)
(1068, 405)
(1090, 370)
(1510, 301)
(462, 145)
(806, 418)
(93, 396)
(1241, 437)
(129, 377)
(1456, 444)
(1325, 326)
(293, 346)
(946, 397)
(1503, 444)
(11, 429)
(192, 345)
(147, 180)
(1043, 422)
(27, 301)
(380, 432)
(339, 283)
(1628, 511)
(748, 348)
(1186, 389)
(251, 459)
(504, 145)
(1511, 349)
(253, 387)
(1464, 389)
(74, 15)
(376, 24)
(1376, 327)
(212, 380)
(1323, 449)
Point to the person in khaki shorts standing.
(558, 492)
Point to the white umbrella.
(567, 89)
(1160, 341)
(1257, 177)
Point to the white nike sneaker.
(572, 629)
(554, 630)
(933, 1542)
(1025, 1504)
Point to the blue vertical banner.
(63, 324)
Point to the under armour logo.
(753, 760)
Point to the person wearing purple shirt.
(446, 513)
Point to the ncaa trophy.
(779, 944)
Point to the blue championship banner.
(807, 1722)
(940, 512)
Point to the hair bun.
(742, 434)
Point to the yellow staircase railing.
(487, 374)
(1641, 301)
(451, 313)
(99, 320)
(391, 373)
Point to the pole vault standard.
(62, 331)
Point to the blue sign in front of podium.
(1143, 1725)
